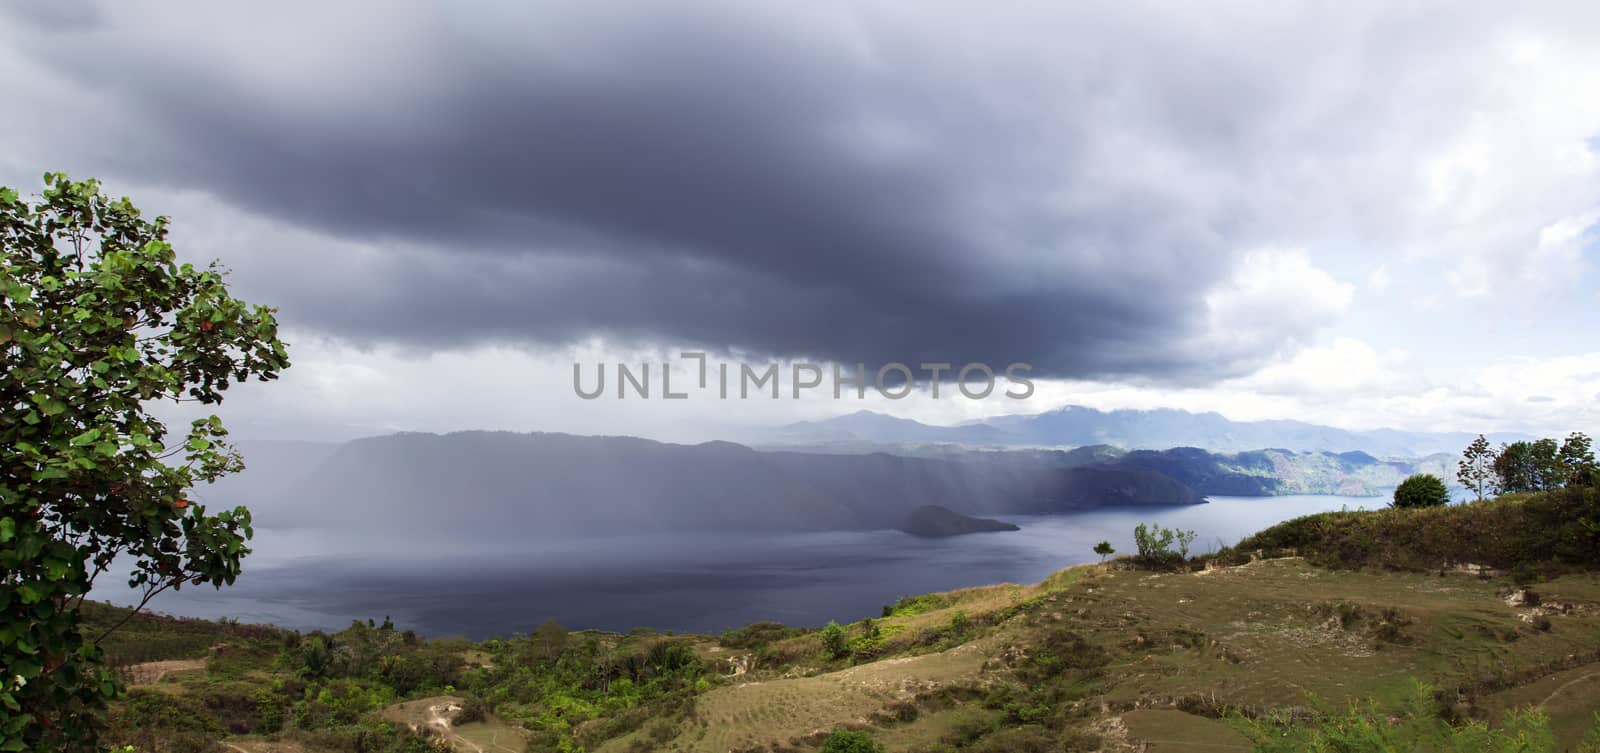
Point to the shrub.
(1421, 490)
(1030, 738)
(1155, 545)
(843, 740)
(835, 641)
(1364, 729)
(1537, 534)
(910, 606)
(758, 634)
(473, 709)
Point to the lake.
(688, 583)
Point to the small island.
(934, 521)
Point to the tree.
(1154, 543)
(1514, 468)
(1421, 490)
(549, 641)
(1104, 550)
(1476, 469)
(835, 641)
(1548, 472)
(1185, 538)
(1577, 460)
(97, 321)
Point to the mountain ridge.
(1159, 428)
(421, 486)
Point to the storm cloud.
(1094, 190)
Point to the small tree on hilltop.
(549, 641)
(1577, 459)
(98, 321)
(1104, 550)
(835, 641)
(1154, 544)
(1185, 538)
(1421, 490)
(1514, 468)
(1548, 472)
(1476, 470)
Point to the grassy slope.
(1258, 636)
(1105, 657)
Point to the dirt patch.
(151, 672)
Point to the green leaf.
(8, 530)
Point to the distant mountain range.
(423, 487)
(1076, 426)
(559, 485)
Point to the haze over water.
(682, 582)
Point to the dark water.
(691, 583)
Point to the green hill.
(1439, 625)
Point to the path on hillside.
(1568, 684)
(439, 719)
(151, 672)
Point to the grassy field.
(1175, 655)
(1184, 649)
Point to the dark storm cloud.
(843, 185)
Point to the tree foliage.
(1363, 728)
(1421, 490)
(1104, 550)
(1155, 545)
(1577, 459)
(835, 640)
(843, 740)
(1543, 465)
(1476, 469)
(97, 321)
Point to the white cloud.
(1379, 279)
(1352, 385)
(1509, 191)
(1347, 367)
(1273, 296)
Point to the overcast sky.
(1360, 214)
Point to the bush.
(909, 606)
(835, 641)
(1421, 490)
(1420, 726)
(473, 709)
(1537, 534)
(1155, 545)
(1026, 739)
(850, 741)
(758, 634)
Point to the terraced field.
(1187, 648)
